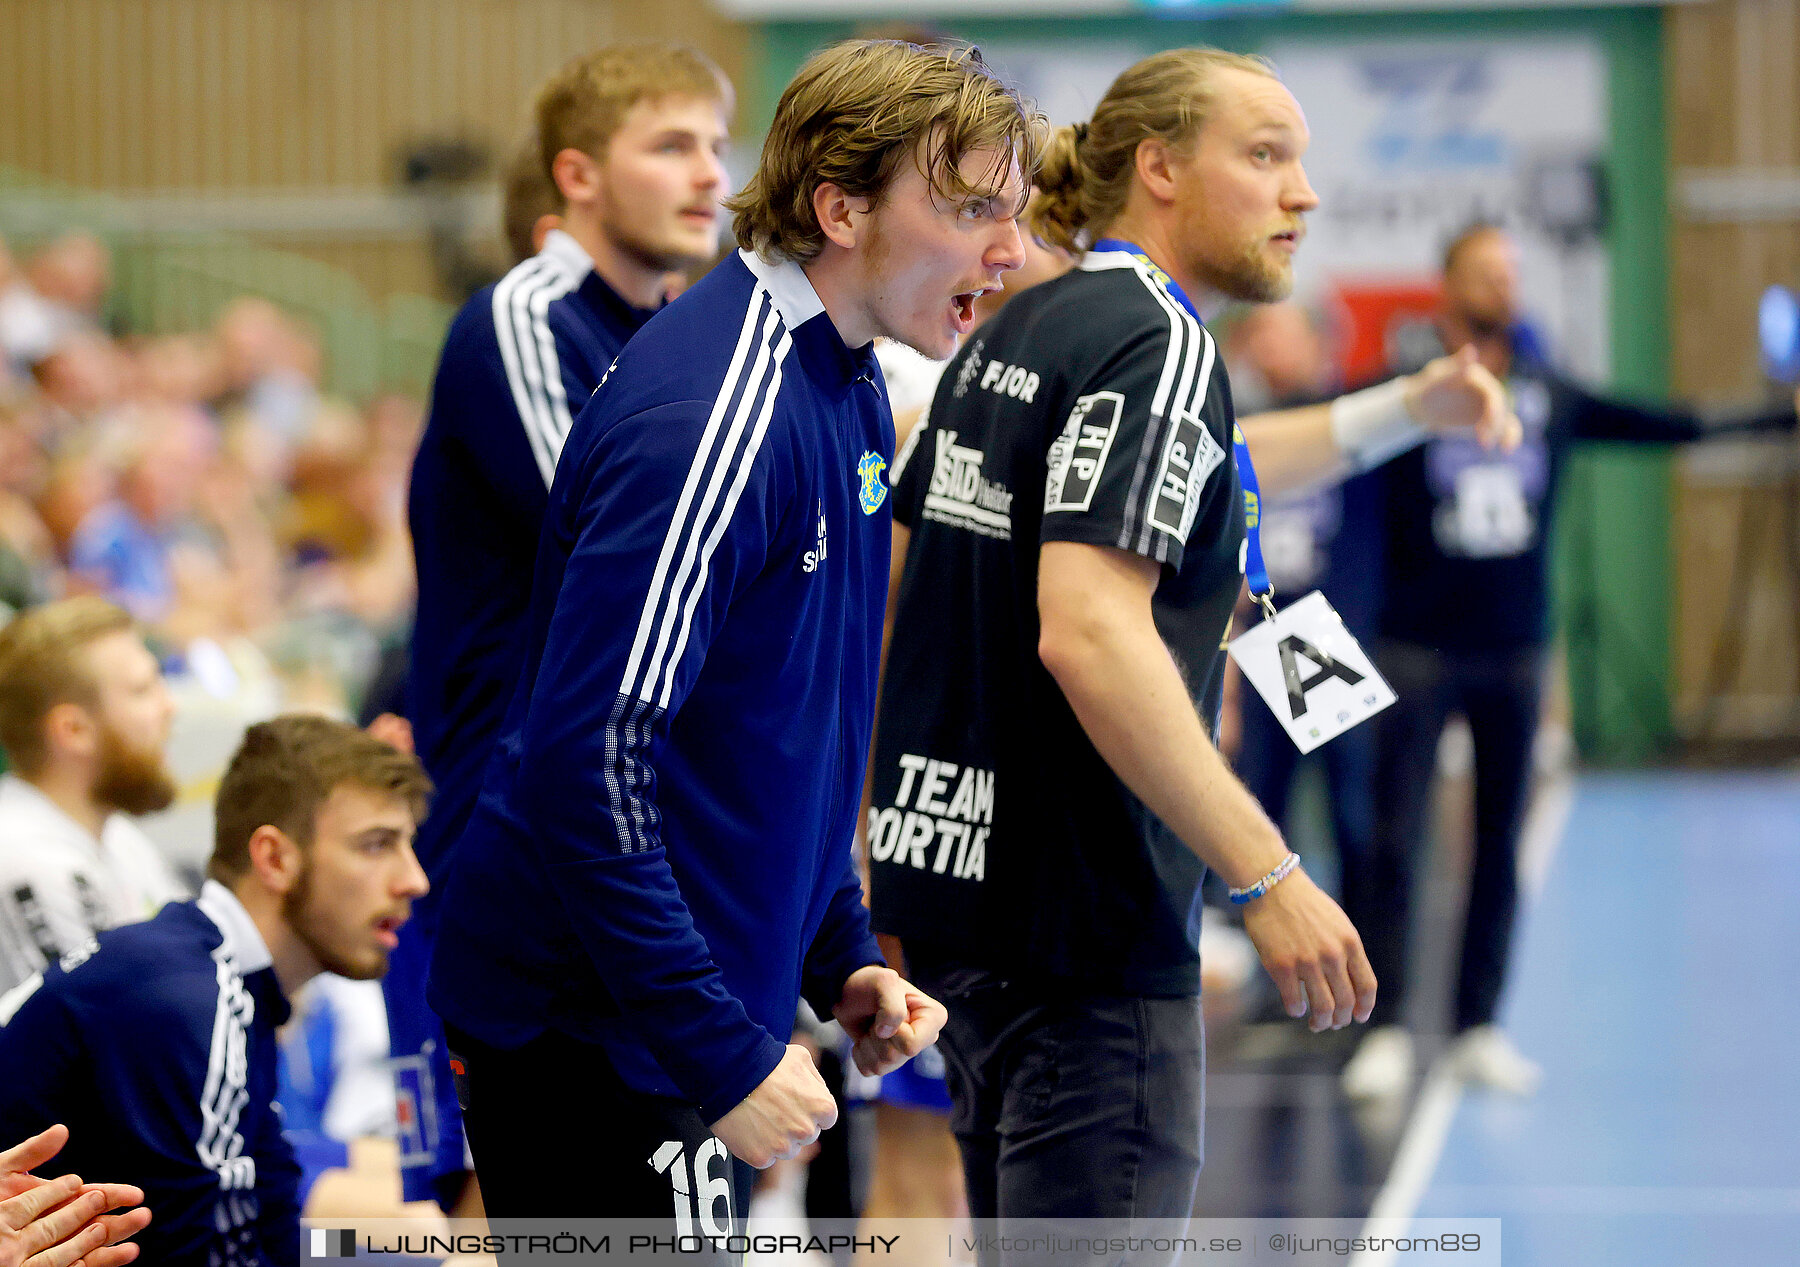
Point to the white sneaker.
(1382, 1067)
(1485, 1055)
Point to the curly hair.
(858, 109)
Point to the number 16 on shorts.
(1311, 671)
(705, 1191)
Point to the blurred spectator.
(28, 557)
(61, 290)
(199, 479)
(82, 376)
(268, 367)
(1464, 623)
(84, 720)
(123, 547)
(179, 369)
(347, 519)
(72, 273)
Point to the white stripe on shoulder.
(1187, 368)
(554, 390)
(1100, 261)
(722, 521)
(722, 460)
(1183, 345)
(747, 366)
(14, 999)
(528, 351)
(226, 1089)
(755, 399)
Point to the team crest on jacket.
(873, 490)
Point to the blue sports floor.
(1658, 981)
(1656, 977)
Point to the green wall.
(1613, 548)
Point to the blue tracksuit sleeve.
(843, 945)
(667, 516)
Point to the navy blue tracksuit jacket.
(660, 861)
(156, 1047)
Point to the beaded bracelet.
(1251, 892)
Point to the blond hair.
(584, 103)
(1088, 168)
(286, 768)
(43, 664)
(857, 110)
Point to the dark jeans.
(556, 1134)
(1076, 1110)
(1498, 693)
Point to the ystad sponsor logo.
(960, 496)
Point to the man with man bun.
(1069, 534)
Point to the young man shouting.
(660, 862)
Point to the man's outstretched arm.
(1317, 443)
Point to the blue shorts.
(918, 1084)
(433, 1156)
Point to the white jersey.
(59, 885)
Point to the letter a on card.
(1312, 673)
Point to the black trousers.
(1498, 692)
(1084, 1112)
(557, 1134)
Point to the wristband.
(1251, 892)
(1374, 424)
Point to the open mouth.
(963, 307)
(387, 930)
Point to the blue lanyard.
(1256, 572)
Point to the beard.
(1249, 275)
(1487, 324)
(130, 779)
(314, 928)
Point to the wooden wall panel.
(1733, 84)
(1734, 111)
(234, 94)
